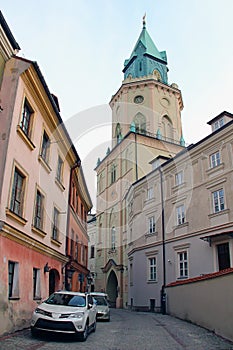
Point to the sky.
(80, 47)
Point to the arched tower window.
(140, 123)
(112, 231)
(140, 66)
(167, 128)
(113, 173)
(118, 133)
(113, 238)
(157, 75)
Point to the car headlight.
(77, 315)
(40, 311)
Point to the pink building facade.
(36, 158)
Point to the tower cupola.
(146, 59)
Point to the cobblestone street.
(127, 330)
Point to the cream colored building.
(91, 231)
(194, 237)
(146, 124)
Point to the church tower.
(146, 128)
(145, 100)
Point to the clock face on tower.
(138, 99)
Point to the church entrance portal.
(112, 287)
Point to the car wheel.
(94, 327)
(84, 334)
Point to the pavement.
(127, 330)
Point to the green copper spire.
(146, 59)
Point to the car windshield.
(66, 300)
(100, 300)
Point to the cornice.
(6, 48)
(23, 239)
(143, 82)
(225, 228)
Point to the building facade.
(36, 161)
(76, 270)
(180, 217)
(146, 124)
(91, 230)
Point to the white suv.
(65, 312)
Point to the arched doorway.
(54, 280)
(112, 288)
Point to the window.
(36, 284)
(223, 256)
(130, 234)
(131, 273)
(118, 133)
(152, 269)
(140, 123)
(45, 147)
(151, 224)
(92, 252)
(73, 195)
(113, 173)
(218, 200)
(72, 244)
(113, 238)
(180, 211)
(76, 249)
(81, 211)
(26, 120)
(13, 279)
(17, 195)
(215, 159)
(100, 182)
(39, 210)
(179, 177)
(59, 169)
(83, 254)
(218, 124)
(55, 225)
(150, 193)
(183, 264)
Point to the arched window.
(140, 123)
(118, 133)
(167, 126)
(157, 75)
(100, 182)
(140, 66)
(113, 173)
(113, 238)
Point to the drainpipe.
(162, 293)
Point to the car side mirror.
(90, 306)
